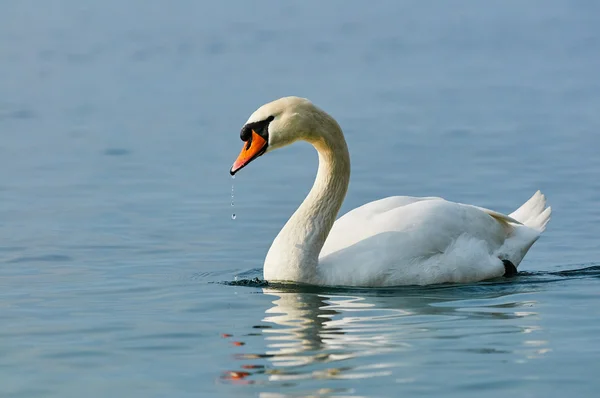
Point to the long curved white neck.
(294, 254)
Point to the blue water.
(119, 122)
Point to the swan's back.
(406, 240)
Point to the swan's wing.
(364, 221)
(498, 216)
(399, 212)
(415, 241)
(408, 240)
(384, 205)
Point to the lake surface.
(119, 122)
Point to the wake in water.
(524, 277)
(255, 282)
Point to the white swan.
(398, 240)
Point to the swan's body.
(398, 240)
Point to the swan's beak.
(252, 149)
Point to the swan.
(398, 240)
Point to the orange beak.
(252, 149)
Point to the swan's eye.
(260, 127)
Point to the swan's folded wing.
(498, 216)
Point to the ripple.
(318, 333)
(519, 282)
(9, 249)
(8, 112)
(76, 354)
(43, 258)
(256, 282)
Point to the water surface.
(119, 123)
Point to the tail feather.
(534, 212)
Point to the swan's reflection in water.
(395, 336)
(322, 328)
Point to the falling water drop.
(232, 204)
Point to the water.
(119, 124)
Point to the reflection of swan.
(305, 319)
(394, 241)
(395, 333)
(322, 328)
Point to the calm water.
(119, 122)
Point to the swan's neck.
(294, 254)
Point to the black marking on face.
(261, 128)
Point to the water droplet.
(232, 197)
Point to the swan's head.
(275, 125)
